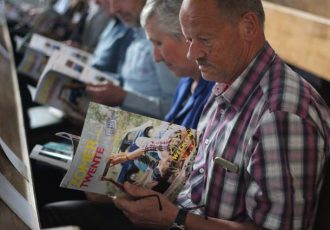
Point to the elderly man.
(266, 132)
(148, 87)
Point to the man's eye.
(205, 41)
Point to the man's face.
(128, 11)
(215, 44)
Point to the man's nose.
(195, 51)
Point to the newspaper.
(117, 146)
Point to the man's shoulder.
(287, 91)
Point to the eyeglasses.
(121, 187)
(161, 207)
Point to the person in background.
(148, 87)
(170, 47)
(86, 35)
(110, 52)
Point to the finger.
(122, 203)
(136, 191)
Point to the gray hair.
(166, 14)
(233, 9)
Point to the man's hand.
(107, 94)
(145, 212)
(98, 198)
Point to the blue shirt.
(150, 85)
(186, 108)
(109, 54)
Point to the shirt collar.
(239, 91)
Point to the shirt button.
(201, 170)
(206, 141)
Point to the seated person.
(148, 87)
(266, 136)
(191, 94)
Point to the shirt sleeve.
(287, 157)
(148, 106)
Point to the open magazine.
(48, 46)
(62, 84)
(57, 154)
(117, 146)
(38, 51)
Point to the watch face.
(176, 228)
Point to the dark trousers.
(86, 215)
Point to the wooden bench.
(13, 134)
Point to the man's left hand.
(145, 212)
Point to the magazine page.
(53, 153)
(118, 146)
(64, 93)
(63, 63)
(62, 84)
(33, 63)
(48, 46)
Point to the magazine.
(33, 64)
(48, 46)
(53, 153)
(62, 84)
(38, 51)
(117, 146)
(58, 154)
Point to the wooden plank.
(318, 7)
(12, 132)
(300, 38)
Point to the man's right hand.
(106, 94)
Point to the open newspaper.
(62, 84)
(117, 146)
(38, 51)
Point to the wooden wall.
(318, 7)
(13, 134)
(299, 37)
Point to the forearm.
(149, 106)
(196, 222)
(135, 154)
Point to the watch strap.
(180, 219)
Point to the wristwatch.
(178, 224)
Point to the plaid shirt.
(269, 132)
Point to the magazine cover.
(62, 84)
(117, 146)
(48, 46)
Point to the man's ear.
(249, 25)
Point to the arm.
(145, 213)
(124, 156)
(107, 94)
(148, 106)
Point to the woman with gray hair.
(160, 19)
